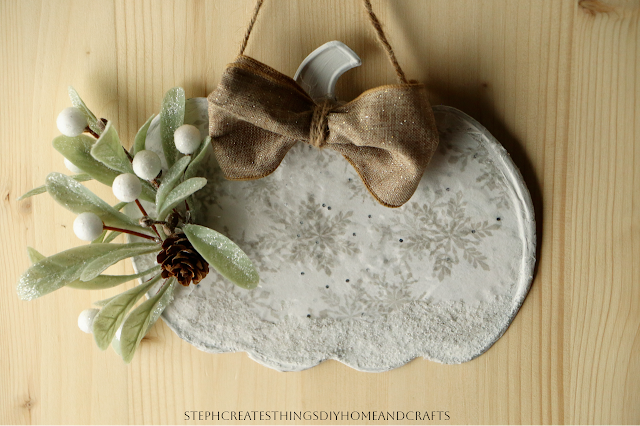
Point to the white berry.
(72, 167)
(87, 226)
(85, 320)
(127, 187)
(71, 122)
(187, 138)
(147, 164)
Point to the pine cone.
(179, 259)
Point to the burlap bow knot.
(257, 114)
(319, 128)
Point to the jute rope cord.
(373, 19)
(247, 33)
(382, 38)
(319, 126)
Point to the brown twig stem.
(144, 213)
(127, 231)
(94, 134)
(162, 286)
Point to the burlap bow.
(257, 114)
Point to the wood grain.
(555, 81)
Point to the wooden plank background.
(555, 80)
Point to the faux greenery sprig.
(184, 250)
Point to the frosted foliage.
(170, 180)
(223, 255)
(114, 312)
(138, 322)
(101, 263)
(58, 270)
(110, 152)
(77, 102)
(179, 194)
(171, 117)
(72, 167)
(162, 304)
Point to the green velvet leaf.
(141, 318)
(123, 251)
(196, 113)
(120, 205)
(171, 117)
(54, 272)
(170, 180)
(77, 198)
(34, 255)
(179, 194)
(109, 318)
(103, 302)
(102, 282)
(115, 343)
(141, 136)
(155, 314)
(78, 151)
(110, 152)
(223, 255)
(197, 158)
(112, 236)
(194, 170)
(82, 177)
(94, 124)
(100, 238)
(35, 191)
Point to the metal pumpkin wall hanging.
(383, 229)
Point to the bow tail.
(389, 176)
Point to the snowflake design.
(308, 234)
(353, 304)
(443, 232)
(357, 189)
(461, 154)
(258, 299)
(375, 295)
(263, 249)
(491, 177)
(263, 189)
(395, 292)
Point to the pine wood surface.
(556, 81)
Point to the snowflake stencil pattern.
(491, 178)
(309, 234)
(440, 231)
